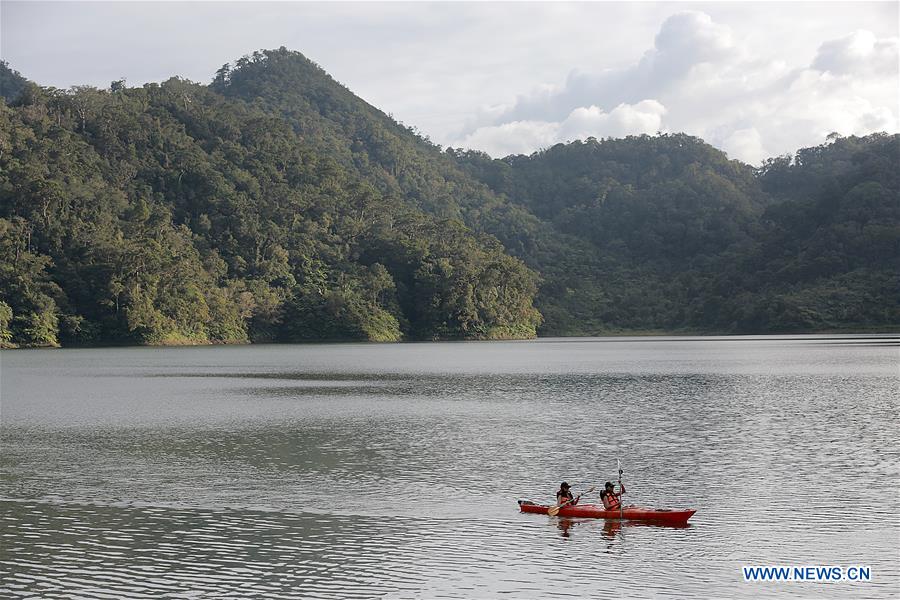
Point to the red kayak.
(629, 513)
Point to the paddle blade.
(553, 511)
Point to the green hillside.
(172, 214)
(694, 241)
(275, 205)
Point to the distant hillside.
(274, 204)
(828, 253)
(694, 241)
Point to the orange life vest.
(561, 499)
(612, 499)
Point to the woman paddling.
(564, 496)
(611, 500)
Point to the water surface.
(393, 470)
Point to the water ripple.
(393, 471)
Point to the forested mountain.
(275, 205)
(172, 214)
(400, 163)
(694, 241)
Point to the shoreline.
(649, 334)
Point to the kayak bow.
(627, 513)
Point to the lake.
(368, 470)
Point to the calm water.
(393, 470)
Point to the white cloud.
(685, 41)
(523, 137)
(625, 119)
(859, 52)
(516, 137)
(736, 66)
(705, 81)
(746, 143)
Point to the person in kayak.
(611, 500)
(564, 496)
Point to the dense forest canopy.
(275, 205)
(809, 242)
(11, 83)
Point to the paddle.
(619, 464)
(554, 510)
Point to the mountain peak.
(287, 62)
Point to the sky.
(756, 79)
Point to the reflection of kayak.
(629, 513)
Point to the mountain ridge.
(304, 213)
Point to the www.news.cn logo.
(807, 573)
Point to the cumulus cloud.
(858, 53)
(699, 78)
(684, 41)
(519, 137)
(643, 117)
(746, 143)
(516, 137)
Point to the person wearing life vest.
(611, 500)
(564, 496)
